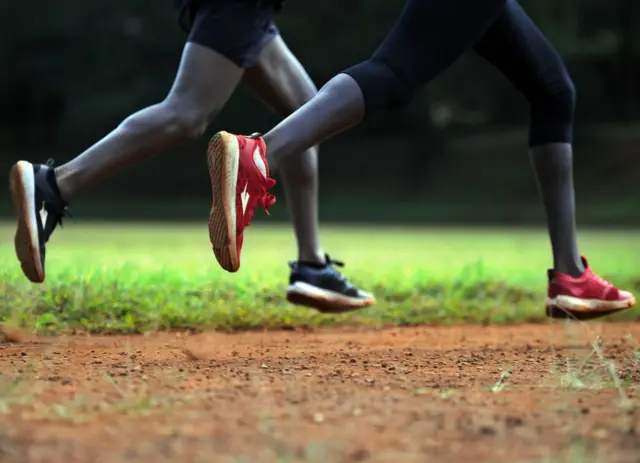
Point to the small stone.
(487, 431)
(601, 434)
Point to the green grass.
(137, 278)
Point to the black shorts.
(237, 29)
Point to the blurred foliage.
(72, 71)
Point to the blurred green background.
(71, 71)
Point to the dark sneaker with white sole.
(39, 209)
(324, 288)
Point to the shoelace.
(329, 262)
(261, 197)
(266, 201)
(336, 263)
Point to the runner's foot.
(240, 182)
(325, 289)
(585, 297)
(39, 209)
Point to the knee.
(383, 87)
(186, 122)
(552, 112)
(561, 97)
(301, 170)
(173, 119)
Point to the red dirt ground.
(411, 394)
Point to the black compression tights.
(428, 37)
(431, 34)
(515, 46)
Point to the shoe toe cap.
(364, 294)
(624, 295)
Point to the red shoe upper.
(253, 183)
(586, 286)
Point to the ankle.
(270, 155)
(62, 181)
(314, 257)
(272, 163)
(573, 269)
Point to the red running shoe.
(240, 183)
(585, 297)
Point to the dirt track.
(415, 394)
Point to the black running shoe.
(325, 289)
(39, 209)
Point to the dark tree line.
(73, 70)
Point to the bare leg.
(280, 81)
(338, 106)
(427, 38)
(204, 83)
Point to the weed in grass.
(502, 380)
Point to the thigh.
(516, 46)
(279, 80)
(204, 82)
(238, 30)
(430, 35)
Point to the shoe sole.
(23, 195)
(223, 159)
(563, 307)
(325, 301)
